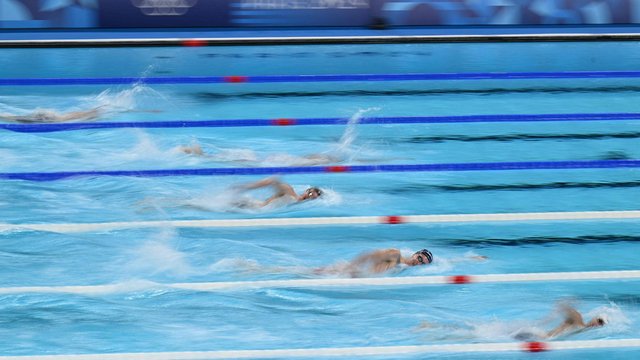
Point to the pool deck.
(177, 36)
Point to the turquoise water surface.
(142, 317)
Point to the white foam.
(329, 197)
(144, 148)
(224, 200)
(616, 321)
(235, 265)
(344, 149)
(159, 256)
(137, 97)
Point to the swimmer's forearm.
(560, 329)
(262, 183)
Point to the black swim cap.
(426, 253)
(317, 190)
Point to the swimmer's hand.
(479, 258)
(469, 257)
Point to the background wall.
(276, 13)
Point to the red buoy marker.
(459, 279)
(535, 346)
(393, 219)
(194, 42)
(283, 122)
(337, 168)
(235, 79)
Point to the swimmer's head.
(311, 193)
(597, 321)
(422, 257)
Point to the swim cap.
(426, 253)
(317, 190)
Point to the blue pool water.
(139, 318)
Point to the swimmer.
(282, 191)
(305, 160)
(377, 262)
(573, 322)
(49, 116)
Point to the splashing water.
(158, 256)
(616, 321)
(343, 147)
(222, 200)
(339, 152)
(234, 265)
(136, 97)
(144, 148)
(113, 100)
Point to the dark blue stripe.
(34, 128)
(526, 165)
(325, 78)
(115, 80)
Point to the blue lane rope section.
(319, 78)
(527, 165)
(36, 128)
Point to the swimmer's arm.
(80, 115)
(321, 159)
(558, 330)
(572, 319)
(467, 258)
(388, 256)
(381, 260)
(260, 184)
(378, 256)
(282, 188)
(270, 200)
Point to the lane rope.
(306, 40)
(487, 166)
(71, 126)
(349, 351)
(327, 221)
(133, 286)
(235, 79)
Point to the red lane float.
(194, 42)
(283, 122)
(535, 346)
(235, 79)
(337, 168)
(393, 219)
(459, 279)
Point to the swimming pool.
(141, 315)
